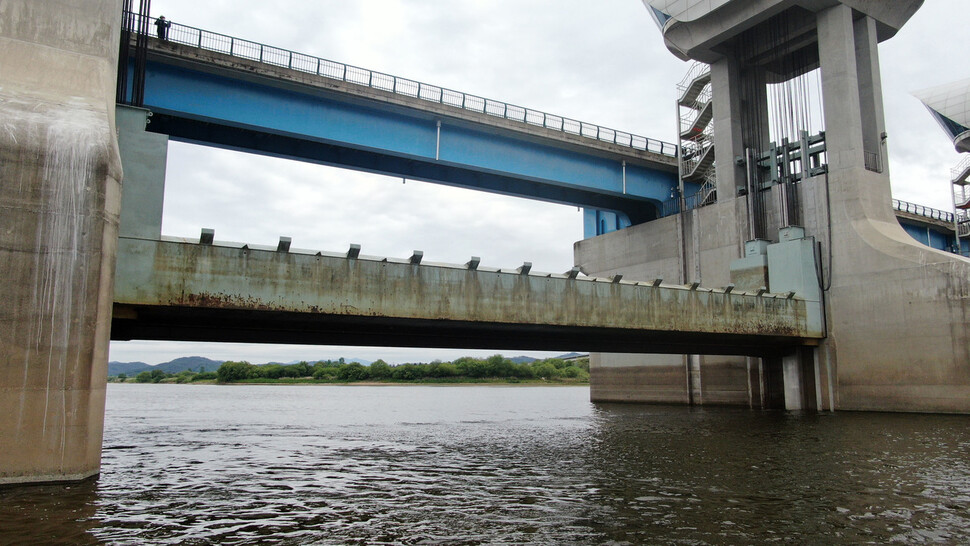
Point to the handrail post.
(260, 52)
(290, 64)
(344, 78)
(318, 66)
(393, 84)
(232, 44)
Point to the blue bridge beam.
(213, 99)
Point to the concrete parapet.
(168, 287)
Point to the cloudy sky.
(601, 62)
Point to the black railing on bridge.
(245, 49)
(922, 210)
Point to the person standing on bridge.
(162, 25)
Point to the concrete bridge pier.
(60, 190)
(896, 311)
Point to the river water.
(198, 464)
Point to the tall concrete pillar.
(59, 205)
(870, 93)
(897, 310)
(840, 88)
(728, 143)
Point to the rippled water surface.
(468, 465)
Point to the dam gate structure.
(895, 310)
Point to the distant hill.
(128, 368)
(523, 359)
(194, 363)
(363, 361)
(567, 356)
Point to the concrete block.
(791, 233)
(756, 247)
(750, 273)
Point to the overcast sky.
(601, 62)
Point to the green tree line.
(158, 376)
(494, 367)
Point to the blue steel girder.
(214, 106)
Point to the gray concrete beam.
(144, 156)
(261, 291)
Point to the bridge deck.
(176, 289)
(312, 110)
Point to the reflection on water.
(470, 465)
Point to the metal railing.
(873, 161)
(245, 49)
(696, 70)
(705, 195)
(922, 210)
(958, 174)
(694, 151)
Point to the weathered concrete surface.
(899, 313)
(266, 295)
(702, 35)
(59, 205)
(654, 250)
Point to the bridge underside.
(217, 134)
(176, 290)
(174, 323)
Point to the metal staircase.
(696, 112)
(960, 179)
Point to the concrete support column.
(754, 108)
(801, 381)
(870, 92)
(840, 88)
(792, 371)
(144, 157)
(59, 205)
(728, 142)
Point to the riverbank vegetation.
(494, 369)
